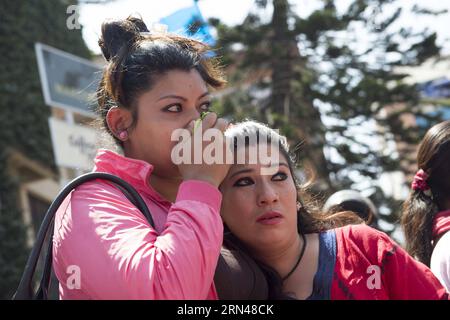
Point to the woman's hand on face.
(213, 173)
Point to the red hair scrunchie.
(420, 182)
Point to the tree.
(23, 118)
(338, 67)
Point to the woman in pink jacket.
(104, 248)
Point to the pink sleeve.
(121, 257)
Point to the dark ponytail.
(419, 211)
(422, 206)
(118, 34)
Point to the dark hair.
(136, 58)
(419, 209)
(310, 218)
(352, 200)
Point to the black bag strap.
(25, 291)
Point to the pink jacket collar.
(441, 223)
(135, 172)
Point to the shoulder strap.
(25, 291)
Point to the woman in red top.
(304, 253)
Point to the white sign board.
(74, 146)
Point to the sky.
(233, 12)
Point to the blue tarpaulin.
(189, 22)
(435, 89)
(438, 88)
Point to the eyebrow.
(281, 164)
(173, 96)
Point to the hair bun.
(117, 33)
